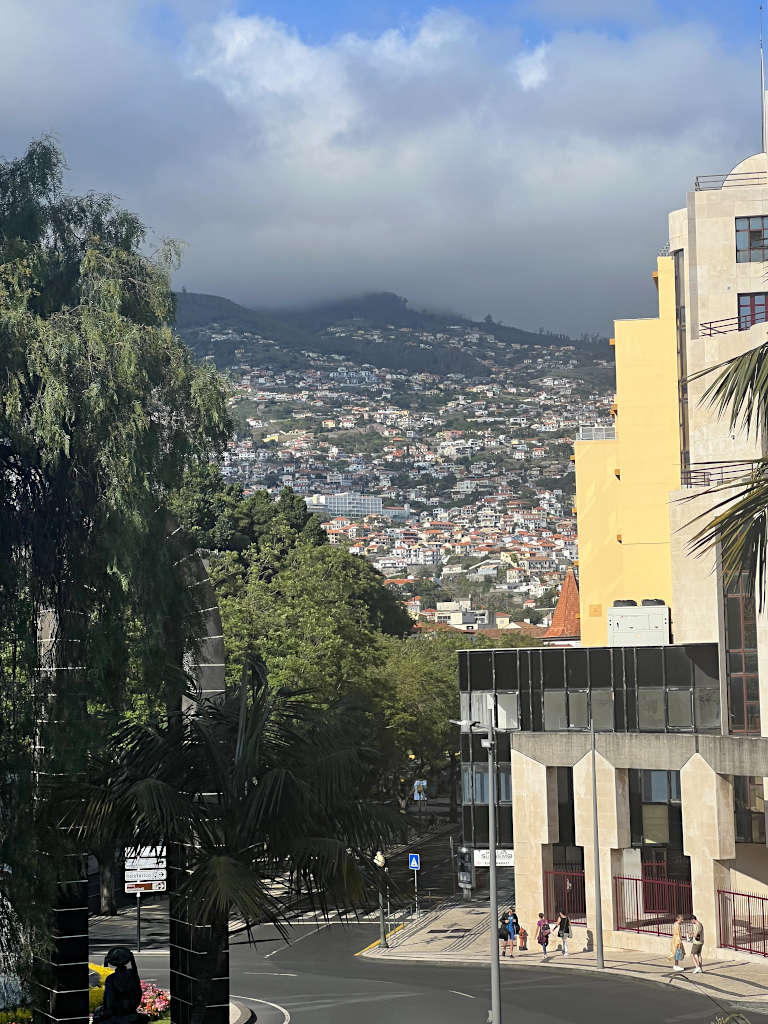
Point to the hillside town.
(464, 482)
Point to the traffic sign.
(139, 887)
(140, 863)
(147, 875)
(145, 852)
(414, 862)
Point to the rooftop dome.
(755, 166)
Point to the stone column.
(613, 832)
(709, 837)
(535, 826)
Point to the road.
(318, 980)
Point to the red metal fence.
(650, 905)
(743, 920)
(565, 891)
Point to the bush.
(18, 1015)
(95, 997)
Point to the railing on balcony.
(734, 323)
(650, 905)
(705, 182)
(564, 890)
(743, 921)
(715, 474)
(595, 433)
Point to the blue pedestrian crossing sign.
(414, 862)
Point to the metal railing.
(705, 182)
(650, 905)
(715, 474)
(596, 433)
(742, 322)
(743, 921)
(564, 890)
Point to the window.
(741, 647)
(655, 787)
(555, 716)
(602, 710)
(749, 808)
(651, 716)
(507, 709)
(679, 709)
(751, 310)
(464, 710)
(505, 785)
(480, 773)
(578, 710)
(466, 783)
(682, 358)
(481, 706)
(751, 239)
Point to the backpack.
(544, 931)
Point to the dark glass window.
(578, 710)
(555, 716)
(677, 666)
(505, 670)
(505, 784)
(682, 358)
(480, 783)
(741, 647)
(679, 709)
(602, 710)
(706, 670)
(655, 818)
(600, 668)
(706, 703)
(751, 239)
(649, 666)
(463, 670)
(576, 669)
(480, 671)
(466, 783)
(552, 664)
(749, 808)
(651, 714)
(751, 309)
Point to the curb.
(758, 1003)
(245, 1014)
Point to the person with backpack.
(542, 933)
(504, 931)
(563, 930)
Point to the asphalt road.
(318, 979)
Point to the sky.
(513, 158)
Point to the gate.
(564, 890)
(650, 905)
(743, 920)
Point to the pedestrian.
(511, 928)
(678, 949)
(563, 930)
(542, 933)
(504, 931)
(697, 942)
(518, 931)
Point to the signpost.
(414, 865)
(504, 858)
(145, 871)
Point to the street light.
(488, 743)
(596, 844)
(381, 863)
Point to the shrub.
(95, 997)
(155, 1002)
(18, 1015)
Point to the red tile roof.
(566, 621)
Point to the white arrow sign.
(148, 875)
(137, 863)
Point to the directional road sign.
(414, 862)
(147, 875)
(140, 887)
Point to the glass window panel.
(505, 670)
(706, 704)
(631, 698)
(679, 710)
(599, 667)
(750, 623)
(555, 716)
(733, 622)
(480, 711)
(741, 222)
(755, 255)
(465, 712)
(505, 785)
(742, 256)
(655, 823)
(742, 240)
(619, 713)
(735, 662)
(576, 669)
(677, 666)
(466, 820)
(737, 704)
(578, 712)
(740, 792)
(504, 826)
(480, 784)
(553, 669)
(756, 801)
(480, 671)
(706, 668)
(755, 222)
(649, 666)
(752, 686)
(651, 714)
(750, 661)
(507, 709)
(758, 828)
(617, 662)
(463, 671)
(466, 783)
(674, 787)
(480, 820)
(602, 710)
(744, 303)
(655, 787)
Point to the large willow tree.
(101, 410)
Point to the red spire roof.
(566, 621)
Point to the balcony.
(715, 474)
(707, 182)
(735, 323)
(595, 433)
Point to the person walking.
(512, 929)
(697, 943)
(542, 933)
(678, 949)
(563, 926)
(504, 931)
(518, 937)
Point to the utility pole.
(495, 1015)
(381, 862)
(596, 842)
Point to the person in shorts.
(678, 948)
(697, 942)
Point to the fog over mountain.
(462, 164)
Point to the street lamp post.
(596, 844)
(489, 743)
(381, 862)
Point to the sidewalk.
(459, 934)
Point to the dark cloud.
(459, 168)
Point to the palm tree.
(259, 787)
(738, 519)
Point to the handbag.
(679, 953)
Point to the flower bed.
(156, 1002)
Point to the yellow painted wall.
(647, 454)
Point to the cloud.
(460, 167)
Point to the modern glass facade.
(741, 651)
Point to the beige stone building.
(672, 668)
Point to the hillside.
(379, 329)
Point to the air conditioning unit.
(633, 625)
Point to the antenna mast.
(762, 82)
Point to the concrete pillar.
(709, 837)
(536, 827)
(613, 832)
